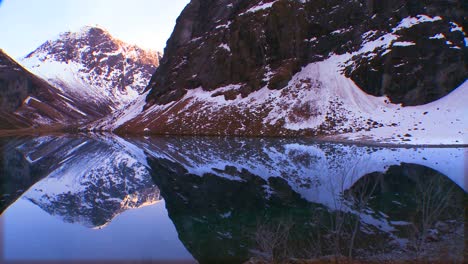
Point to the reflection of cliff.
(398, 190)
(421, 205)
(232, 199)
(88, 180)
(216, 217)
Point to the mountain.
(91, 66)
(27, 100)
(70, 81)
(361, 69)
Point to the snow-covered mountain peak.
(92, 29)
(71, 46)
(90, 64)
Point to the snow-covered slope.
(94, 68)
(119, 117)
(27, 101)
(318, 100)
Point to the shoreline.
(319, 139)
(370, 143)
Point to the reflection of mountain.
(88, 180)
(231, 199)
(423, 207)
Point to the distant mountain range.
(103, 71)
(392, 72)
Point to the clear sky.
(26, 24)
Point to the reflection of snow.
(301, 163)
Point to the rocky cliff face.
(288, 67)
(258, 43)
(104, 72)
(26, 100)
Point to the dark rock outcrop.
(432, 66)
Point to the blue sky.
(26, 24)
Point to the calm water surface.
(228, 200)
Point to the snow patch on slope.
(441, 122)
(259, 7)
(121, 116)
(71, 79)
(412, 21)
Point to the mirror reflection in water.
(228, 200)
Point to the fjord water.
(226, 200)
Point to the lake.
(102, 197)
